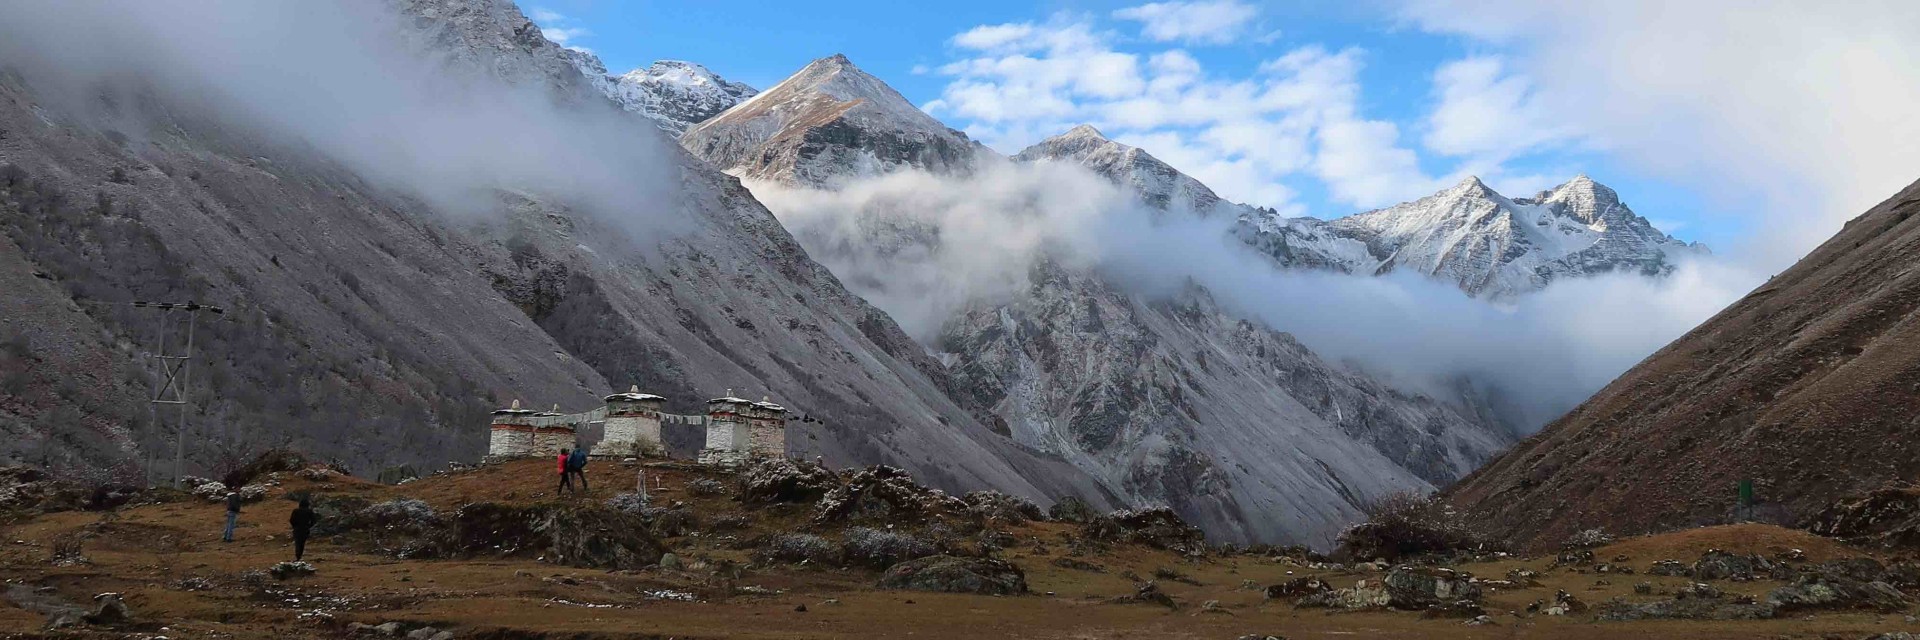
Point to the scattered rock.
(1564, 604)
(1643, 588)
(1298, 587)
(1147, 592)
(1363, 595)
(1716, 564)
(1670, 568)
(1588, 539)
(1214, 606)
(1417, 588)
(951, 574)
(800, 608)
(669, 561)
(1833, 591)
(291, 569)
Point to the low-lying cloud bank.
(921, 246)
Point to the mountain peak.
(1472, 186)
(1585, 189)
(1084, 131)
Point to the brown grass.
(525, 598)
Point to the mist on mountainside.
(348, 80)
(921, 246)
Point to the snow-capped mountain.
(1486, 243)
(677, 95)
(829, 121)
(1156, 182)
(1162, 400)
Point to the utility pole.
(171, 369)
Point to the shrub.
(1403, 525)
(706, 487)
(878, 549)
(628, 503)
(799, 547)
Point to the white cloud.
(1244, 137)
(994, 37)
(1207, 21)
(559, 28)
(1801, 109)
(1483, 109)
(563, 35)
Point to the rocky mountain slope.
(367, 324)
(675, 94)
(829, 121)
(1165, 401)
(1805, 386)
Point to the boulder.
(949, 574)
(1716, 564)
(998, 508)
(1363, 595)
(1297, 588)
(1071, 509)
(1832, 591)
(1670, 568)
(1416, 588)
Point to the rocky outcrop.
(1803, 387)
(949, 574)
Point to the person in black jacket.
(303, 519)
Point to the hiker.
(566, 478)
(577, 464)
(233, 515)
(302, 520)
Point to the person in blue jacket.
(577, 465)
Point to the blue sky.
(1379, 101)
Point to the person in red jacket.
(566, 479)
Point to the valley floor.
(179, 580)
